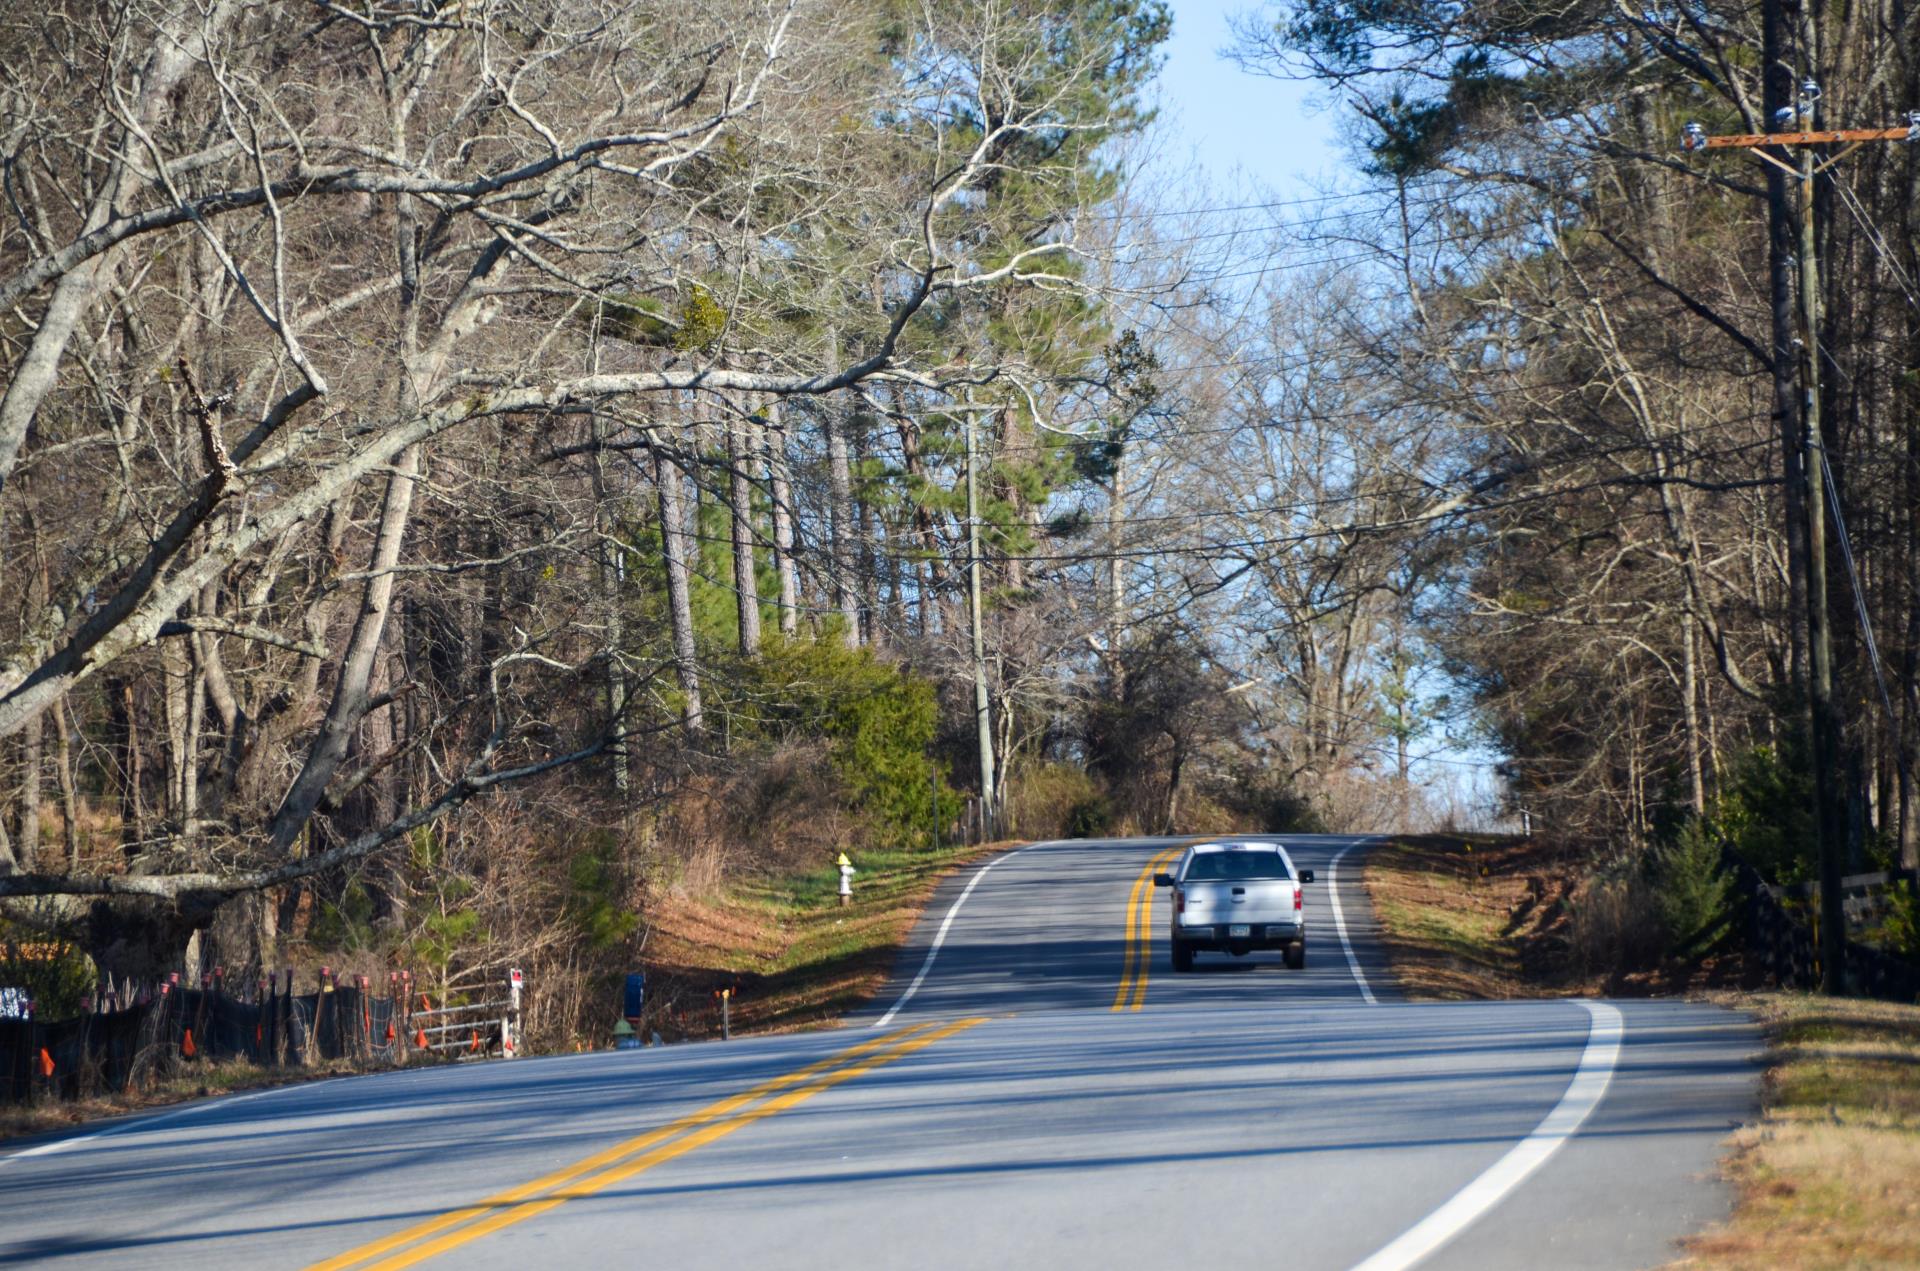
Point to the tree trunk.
(740, 451)
(1116, 566)
(842, 527)
(872, 546)
(1691, 691)
(63, 775)
(613, 594)
(675, 550)
(27, 850)
(133, 807)
(780, 483)
(351, 694)
(926, 569)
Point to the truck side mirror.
(1163, 880)
(1306, 875)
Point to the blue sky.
(1252, 137)
(1247, 132)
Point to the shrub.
(597, 892)
(1611, 925)
(1090, 818)
(1056, 800)
(1901, 928)
(877, 718)
(1691, 891)
(1766, 813)
(1268, 802)
(54, 974)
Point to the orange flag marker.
(46, 1063)
(187, 1047)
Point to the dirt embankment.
(1485, 916)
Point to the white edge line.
(1340, 923)
(1589, 1086)
(142, 1122)
(940, 936)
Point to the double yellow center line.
(622, 1161)
(1132, 994)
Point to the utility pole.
(982, 708)
(1824, 735)
(1823, 721)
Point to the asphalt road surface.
(1037, 1088)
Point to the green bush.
(1766, 813)
(1900, 931)
(878, 721)
(345, 924)
(1090, 818)
(1692, 893)
(597, 888)
(56, 975)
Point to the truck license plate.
(1238, 929)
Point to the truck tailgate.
(1247, 900)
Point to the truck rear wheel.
(1297, 955)
(1182, 956)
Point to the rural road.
(1033, 1100)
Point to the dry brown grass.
(1466, 917)
(794, 958)
(192, 1081)
(1830, 1176)
(1487, 917)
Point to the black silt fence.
(110, 1050)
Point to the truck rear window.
(1209, 867)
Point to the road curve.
(1035, 1090)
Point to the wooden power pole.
(982, 704)
(1803, 155)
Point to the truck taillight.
(1179, 902)
(1297, 892)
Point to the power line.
(1851, 201)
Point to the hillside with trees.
(466, 466)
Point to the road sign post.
(510, 1022)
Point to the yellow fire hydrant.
(846, 880)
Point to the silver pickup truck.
(1235, 898)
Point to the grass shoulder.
(1470, 916)
(1482, 917)
(1825, 1177)
(794, 957)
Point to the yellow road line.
(621, 1172)
(1138, 945)
(619, 1151)
(1146, 930)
